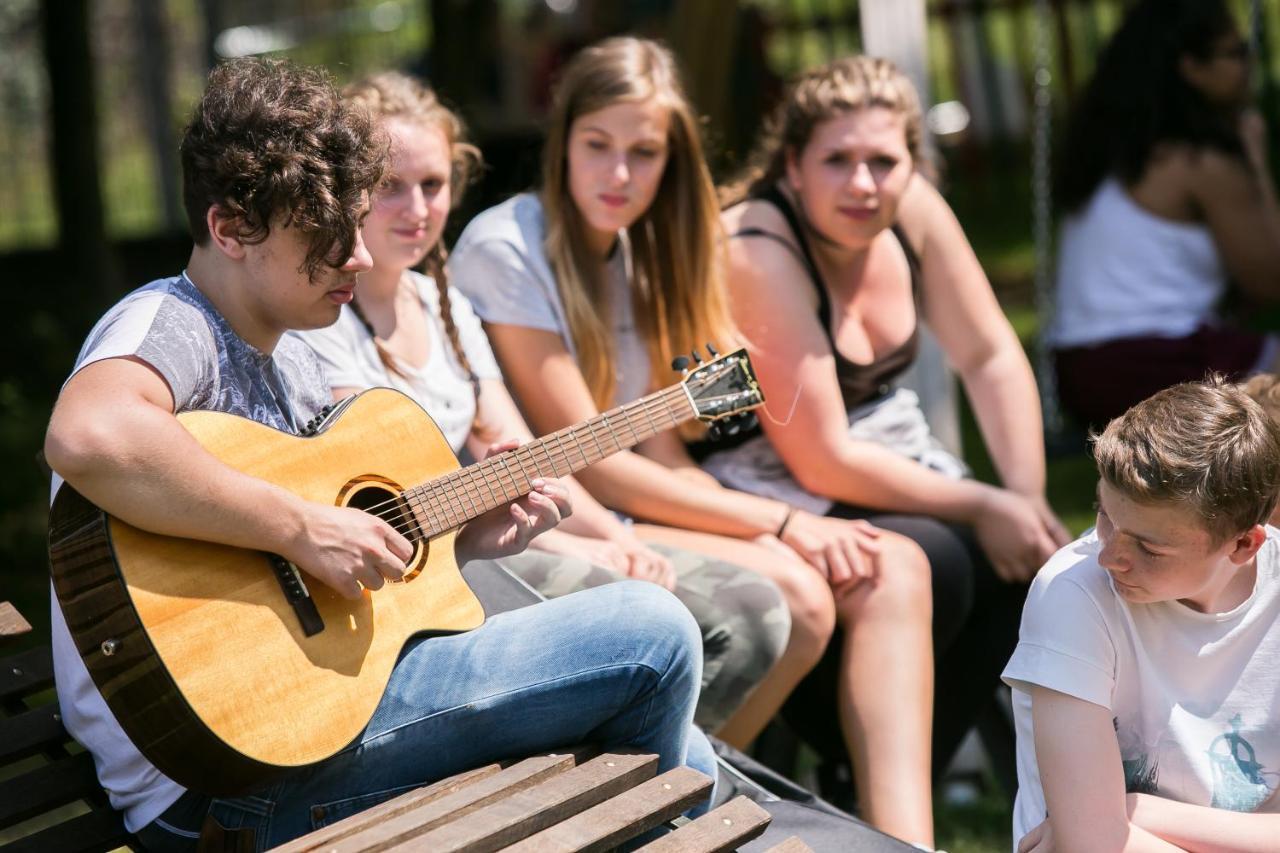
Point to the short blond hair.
(1264, 389)
(1203, 444)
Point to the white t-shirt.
(1193, 695)
(171, 326)
(1124, 272)
(501, 264)
(441, 386)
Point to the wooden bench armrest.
(11, 622)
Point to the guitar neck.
(451, 501)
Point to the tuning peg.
(696, 356)
(680, 363)
(712, 350)
(714, 432)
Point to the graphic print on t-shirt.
(1240, 783)
(1141, 771)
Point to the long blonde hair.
(826, 92)
(678, 292)
(399, 96)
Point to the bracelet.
(782, 528)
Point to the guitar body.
(195, 647)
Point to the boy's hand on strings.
(348, 549)
(510, 528)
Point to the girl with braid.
(412, 331)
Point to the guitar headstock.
(721, 388)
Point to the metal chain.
(1255, 26)
(1042, 216)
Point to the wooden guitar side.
(210, 673)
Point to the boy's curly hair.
(273, 143)
(1204, 444)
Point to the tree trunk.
(211, 13)
(76, 171)
(895, 29)
(157, 105)
(462, 43)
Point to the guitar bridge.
(297, 594)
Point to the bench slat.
(605, 826)
(95, 832)
(455, 806)
(43, 788)
(718, 831)
(30, 732)
(26, 672)
(11, 622)
(522, 814)
(406, 802)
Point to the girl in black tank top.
(839, 163)
(859, 383)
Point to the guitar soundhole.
(384, 500)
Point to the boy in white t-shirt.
(1146, 680)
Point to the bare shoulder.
(755, 253)
(921, 210)
(755, 213)
(1211, 172)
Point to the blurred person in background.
(1170, 206)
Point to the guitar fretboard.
(456, 498)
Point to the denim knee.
(652, 620)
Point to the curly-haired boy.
(277, 175)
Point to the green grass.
(983, 826)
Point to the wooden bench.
(579, 800)
(49, 794)
(549, 804)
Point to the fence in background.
(150, 58)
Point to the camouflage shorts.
(744, 620)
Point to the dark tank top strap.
(859, 383)
(913, 263)
(775, 237)
(775, 197)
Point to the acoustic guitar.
(227, 666)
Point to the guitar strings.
(399, 511)
(644, 405)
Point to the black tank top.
(859, 383)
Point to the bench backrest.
(50, 798)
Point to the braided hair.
(395, 95)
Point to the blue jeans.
(618, 665)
